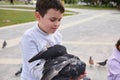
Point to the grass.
(18, 7)
(91, 7)
(10, 17)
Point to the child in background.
(114, 63)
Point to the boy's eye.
(52, 20)
(59, 19)
(55, 19)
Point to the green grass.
(18, 7)
(90, 7)
(9, 17)
(69, 6)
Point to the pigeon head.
(74, 69)
(50, 53)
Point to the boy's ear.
(37, 15)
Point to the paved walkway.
(90, 33)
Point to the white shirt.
(33, 41)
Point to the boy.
(43, 35)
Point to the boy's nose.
(57, 23)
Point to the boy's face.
(51, 20)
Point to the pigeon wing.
(54, 70)
(50, 53)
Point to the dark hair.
(117, 45)
(42, 6)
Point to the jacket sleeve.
(29, 49)
(114, 70)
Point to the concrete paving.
(89, 33)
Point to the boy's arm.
(114, 69)
(29, 49)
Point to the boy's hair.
(117, 45)
(42, 6)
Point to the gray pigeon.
(103, 63)
(4, 44)
(63, 67)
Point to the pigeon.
(4, 44)
(58, 62)
(102, 63)
(18, 72)
(63, 66)
(91, 62)
(50, 53)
